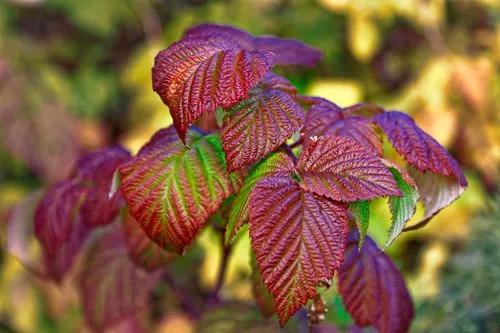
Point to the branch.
(286, 148)
(181, 295)
(213, 298)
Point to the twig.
(213, 298)
(181, 295)
(286, 148)
(297, 143)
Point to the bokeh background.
(75, 75)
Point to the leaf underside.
(373, 290)
(171, 190)
(261, 123)
(439, 178)
(298, 238)
(436, 192)
(418, 148)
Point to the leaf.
(261, 123)
(343, 170)
(112, 288)
(363, 109)
(71, 208)
(263, 298)
(440, 181)
(287, 51)
(417, 147)
(60, 228)
(171, 190)
(239, 214)
(361, 212)
(298, 238)
(198, 74)
(142, 250)
(373, 290)
(436, 192)
(402, 208)
(321, 114)
(20, 238)
(326, 118)
(97, 170)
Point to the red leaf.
(59, 227)
(261, 123)
(201, 73)
(112, 288)
(299, 240)
(417, 147)
(373, 290)
(143, 251)
(343, 170)
(171, 190)
(96, 171)
(326, 118)
(287, 51)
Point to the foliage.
(467, 301)
(251, 152)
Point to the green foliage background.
(75, 75)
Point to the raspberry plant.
(298, 171)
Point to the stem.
(289, 152)
(213, 298)
(181, 294)
(297, 143)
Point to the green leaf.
(361, 212)
(402, 208)
(172, 190)
(238, 215)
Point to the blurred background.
(75, 75)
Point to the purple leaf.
(71, 208)
(440, 181)
(60, 228)
(326, 118)
(372, 288)
(96, 171)
(417, 147)
(198, 74)
(112, 288)
(287, 51)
